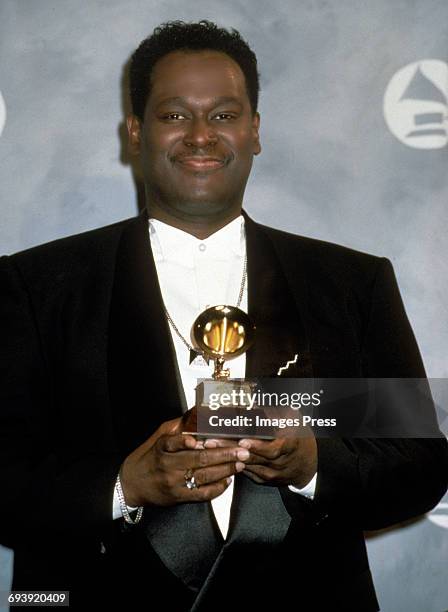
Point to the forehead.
(197, 74)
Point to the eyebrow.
(216, 101)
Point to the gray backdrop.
(354, 128)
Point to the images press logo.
(416, 104)
(2, 113)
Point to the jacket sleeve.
(375, 482)
(40, 491)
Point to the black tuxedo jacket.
(89, 373)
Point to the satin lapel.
(259, 518)
(277, 305)
(258, 514)
(186, 538)
(141, 360)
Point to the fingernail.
(243, 454)
(210, 444)
(228, 480)
(244, 443)
(239, 466)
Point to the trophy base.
(222, 411)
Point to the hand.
(154, 473)
(283, 461)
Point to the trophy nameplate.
(222, 333)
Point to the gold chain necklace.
(193, 352)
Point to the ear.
(256, 135)
(134, 134)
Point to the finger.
(220, 443)
(206, 492)
(166, 428)
(277, 463)
(254, 477)
(174, 426)
(271, 449)
(178, 442)
(175, 455)
(215, 456)
(263, 472)
(216, 473)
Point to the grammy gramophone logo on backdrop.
(415, 104)
(439, 515)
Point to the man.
(102, 494)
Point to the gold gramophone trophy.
(220, 333)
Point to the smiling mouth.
(201, 164)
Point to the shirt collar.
(172, 244)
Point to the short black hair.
(180, 36)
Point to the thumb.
(172, 427)
(167, 428)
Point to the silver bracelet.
(123, 506)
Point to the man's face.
(199, 135)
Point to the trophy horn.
(222, 333)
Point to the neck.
(200, 227)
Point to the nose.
(200, 134)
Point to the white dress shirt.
(194, 274)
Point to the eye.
(173, 116)
(224, 116)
